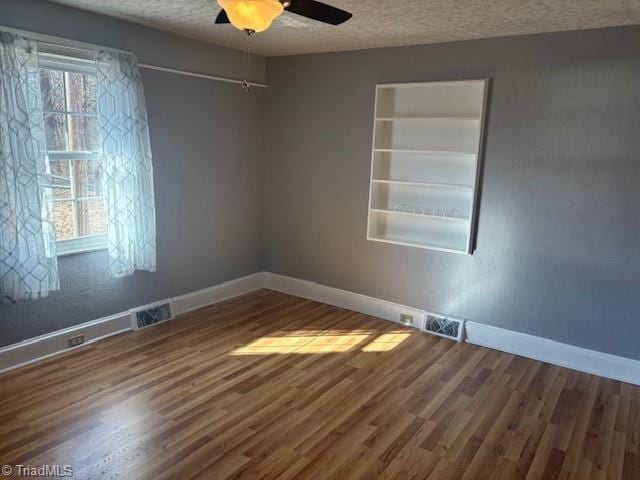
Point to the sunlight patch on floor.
(386, 342)
(310, 342)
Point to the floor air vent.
(444, 326)
(151, 315)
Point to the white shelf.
(424, 184)
(427, 119)
(420, 215)
(423, 85)
(429, 245)
(425, 152)
(425, 156)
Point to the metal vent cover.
(444, 326)
(153, 314)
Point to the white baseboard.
(556, 353)
(49, 344)
(537, 348)
(342, 298)
(217, 293)
(54, 343)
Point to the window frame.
(72, 60)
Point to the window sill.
(81, 245)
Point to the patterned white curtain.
(28, 263)
(123, 133)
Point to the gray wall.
(150, 45)
(206, 139)
(558, 244)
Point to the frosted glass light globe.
(255, 15)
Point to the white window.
(68, 84)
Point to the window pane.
(60, 178)
(88, 178)
(52, 86)
(63, 220)
(82, 133)
(81, 91)
(55, 131)
(91, 219)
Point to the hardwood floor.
(273, 386)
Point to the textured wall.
(206, 139)
(558, 246)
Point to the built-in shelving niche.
(425, 162)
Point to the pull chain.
(247, 62)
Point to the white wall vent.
(444, 326)
(151, 314)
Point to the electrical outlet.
(406, 319)
(75, 341)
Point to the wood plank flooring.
(271, 386)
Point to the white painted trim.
(440, 83)
(54, 343)
(537, 348)
(73, 246)
(529, 346)
(556, 353)
(218, 293)
(343, 298)
(49, 344)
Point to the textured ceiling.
(376, 23)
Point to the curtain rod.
(199, 75)
(92, 46)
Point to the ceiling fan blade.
(222, 17)
(319, 11)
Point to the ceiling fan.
(257, 15)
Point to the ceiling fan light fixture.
(251, 15)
